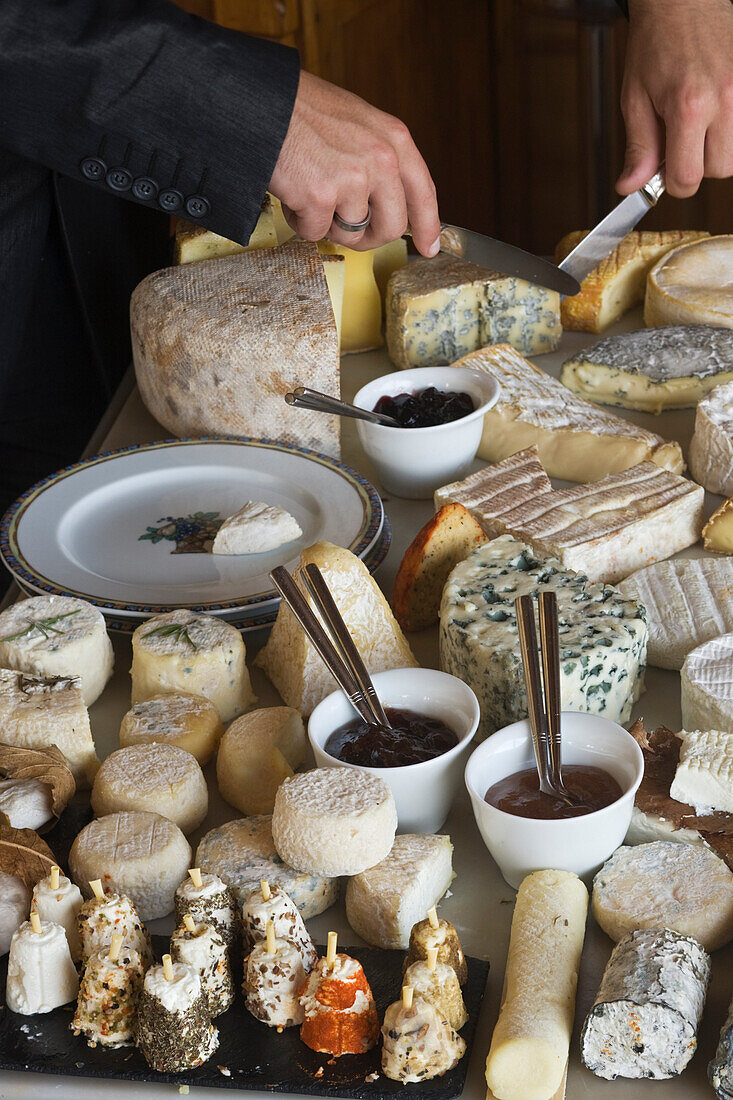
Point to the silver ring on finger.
(352, 227)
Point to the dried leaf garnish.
(23, 853)
(47, 765)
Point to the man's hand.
(677, 96)
(342, 156)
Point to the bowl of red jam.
(433, 717)
(439, 413)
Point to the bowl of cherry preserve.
(434, 716)
(441, 413)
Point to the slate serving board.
(251, 1056)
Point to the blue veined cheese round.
(603, 635)
(242, 853)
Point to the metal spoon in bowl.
(303, 397)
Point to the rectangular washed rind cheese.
(577, 441)
(711, 449)
(692, 285)
(603, 635)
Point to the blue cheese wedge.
(242, 854)
(644, 1020)
(603, 635)
(256, 528)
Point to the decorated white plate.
(131, 530)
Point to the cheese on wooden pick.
(536, 1017)
(37, 712)
(159, 779)
(707, 686)
(189, 721)
(289, 658)
(711, 449)
(199, 654)
(218, 344)
(256, 754)
(577, 441)
(692, 285)
(718, 531)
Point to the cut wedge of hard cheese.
(361, 327)
(217, 344)
(617, 284)
(290, 660)
(576, 440)
(538, 1006)
(193, 242)
(707, 686)
(711, 449)
(654, 369)
(692, 285)
(718, 531)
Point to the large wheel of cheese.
(155, 778)
(685, 887)
(139, 854)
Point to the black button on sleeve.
(119, 179)
(170, 199)
(197, 206)
(93, 168)
(144, 188)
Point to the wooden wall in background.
(497, 94)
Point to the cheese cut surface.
(707, 686)
(577, 441)
(361, 327)
(688, 601)
(704, 775)
(711, 449)
(386, 901)
(289, 659)
(189, 721)
(603, 635)
(653, 369)
(717, 533)
(242, 853)
(157, 778)
(693, 284)
(256, 754)
(442, 308)
(538, 1005)
(217, 344)
(255, 528)
(617, 284)
(193, 242)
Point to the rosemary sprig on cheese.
(177, 631)
(46, 627)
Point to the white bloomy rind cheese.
(142, 855)
(242, 854)
(707, 686)
(704, 776)
(41, 975)
(577, 441)
(693, 284)
(443, 308)
(36, 713)
(189, 721)
(711, 449)
(218, 344)
(256, 528)
(688, 601)
(384, 902)
(182, 651)
(603, 635)
(60, 906)
(158, 778)
(541, 978)
(14, 901)
(58, 636)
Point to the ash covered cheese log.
(711, 448)
(174, 1029)
(216, 345)
(41, 974)
(720, 1069)
(187, 720)
(643, 1022)
(60, 905)
(102, 917)
(529, 1047)
(278, 907)
(603, 635)
(204, 949)
(183, 651)
(58, 636)
(212, 902)
(163, 779)
(110, 989)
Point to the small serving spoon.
(303, 397)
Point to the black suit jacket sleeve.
(147, 102)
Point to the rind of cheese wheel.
(157, 778)
(36, 712)
(692, 285)
(242, 854)
(536, 1017)
(256, 754)
(184, 652)
(142, 855)
(289, 658)
(334, 821)
(58, 636)
(189, 721)
(384, 902)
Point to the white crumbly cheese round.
(257, 752)
(711, 447)
(692, 284)
(242, 854)
(139, 854)
(58, 636)
(707, 686)
(189, 721)
(182, 651)
(162, 779)
(334, 821)
(685, 887)
(255, 528)
(15, 899)
(27, 802)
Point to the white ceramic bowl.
(581, 844)
(424, 792)
(414, 462)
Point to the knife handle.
(654, 190)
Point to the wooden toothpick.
(168, 968)
(270, 938)
(195, 874)
(55, 872)
(432, 958)
(331, 949)
(266, 892)
(433, 917)
(97, 890)
(115, 944)
(190, 924)
(407, 993)
(36, 922)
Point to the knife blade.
(506, 258)
(602, 240)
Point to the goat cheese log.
(272, 982)
(212, 903)
(101, 918)
(439, 987)
(60, 906)
(280, 908)
(174, 1029)
(108, 996)
(41, 975)
(418, 1042)
(206, 951)
(643, 1022)
(720, 1070)
(425, 935)
(340, 1014)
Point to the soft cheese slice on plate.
(707, 686)
(577, 441)
(691, 285)
(704, 776)
(711, 449)
(255, 528)
(688, 601)
(657, 368)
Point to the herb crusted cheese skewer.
(273, 903)
(108, 996)
(203, 948)
(174, 1029)
(207, 900)
(105, 915)
(274, 974)
(418, 1042)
